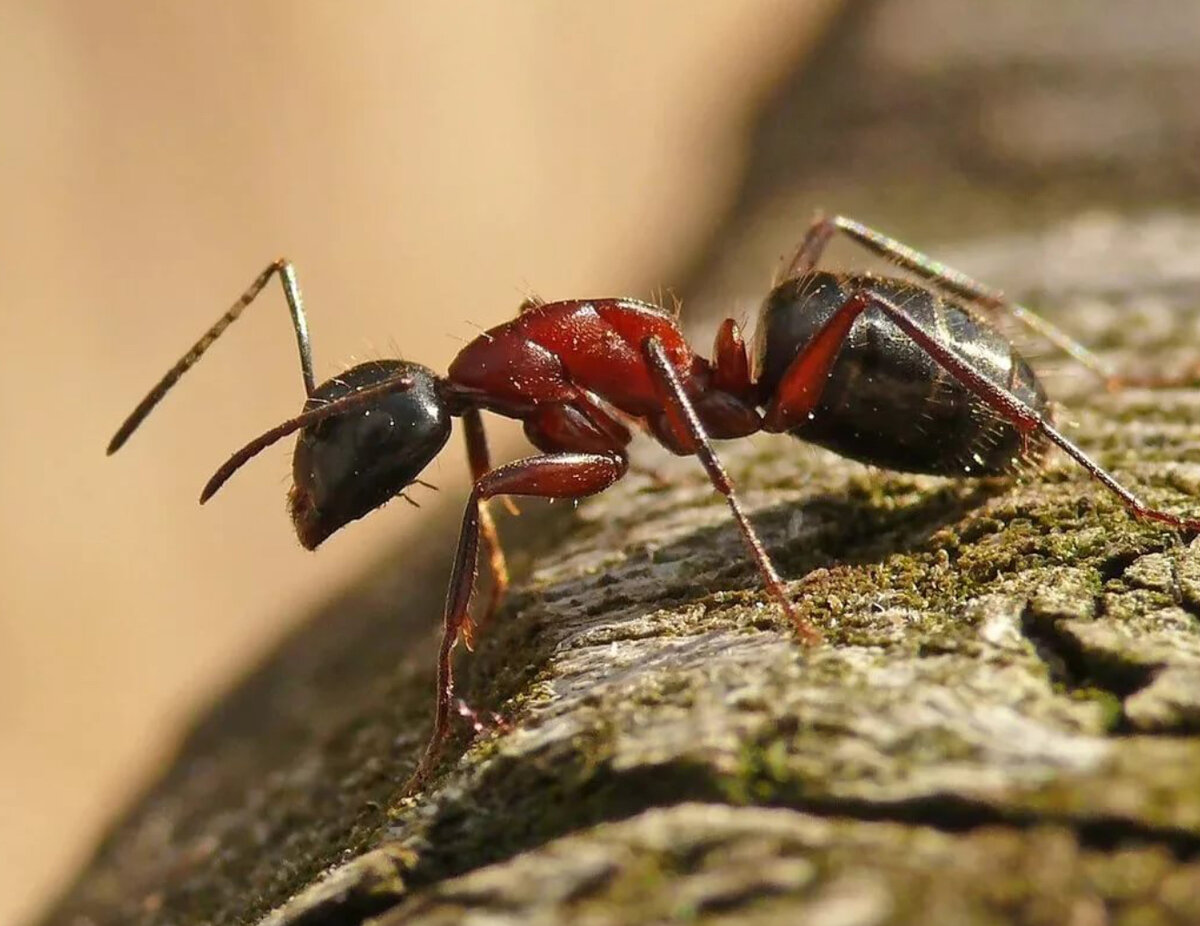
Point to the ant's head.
(350, 463)
(364, 437)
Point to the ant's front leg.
(557, 475)
(480, 462)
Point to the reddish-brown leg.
(807, 374)
(959, 284)
(675, 398)
(1188, 377)
(1025, 418)
(480, 461)
(560, 475)
(581, 424)
(947, 279)
(800, 389)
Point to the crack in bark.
(1077, 669)
(952, 813)
(363, 888)
(650, 787)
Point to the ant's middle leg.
(947, 279)
(556, 475)
(680, 407)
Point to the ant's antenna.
(291, 290)
(353, 402)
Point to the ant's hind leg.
(947, 279)
(1189, 377)
(800, 389)
(809, 251)
(1017, 413)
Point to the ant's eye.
(351, 464)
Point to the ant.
(903, 375)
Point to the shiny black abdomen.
(887, 402)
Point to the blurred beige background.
(425, 166)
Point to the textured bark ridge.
(1003, 725)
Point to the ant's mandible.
(879, 369)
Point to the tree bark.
(1003, 724)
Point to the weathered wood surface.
(1004, 724)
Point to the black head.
(350, 464)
